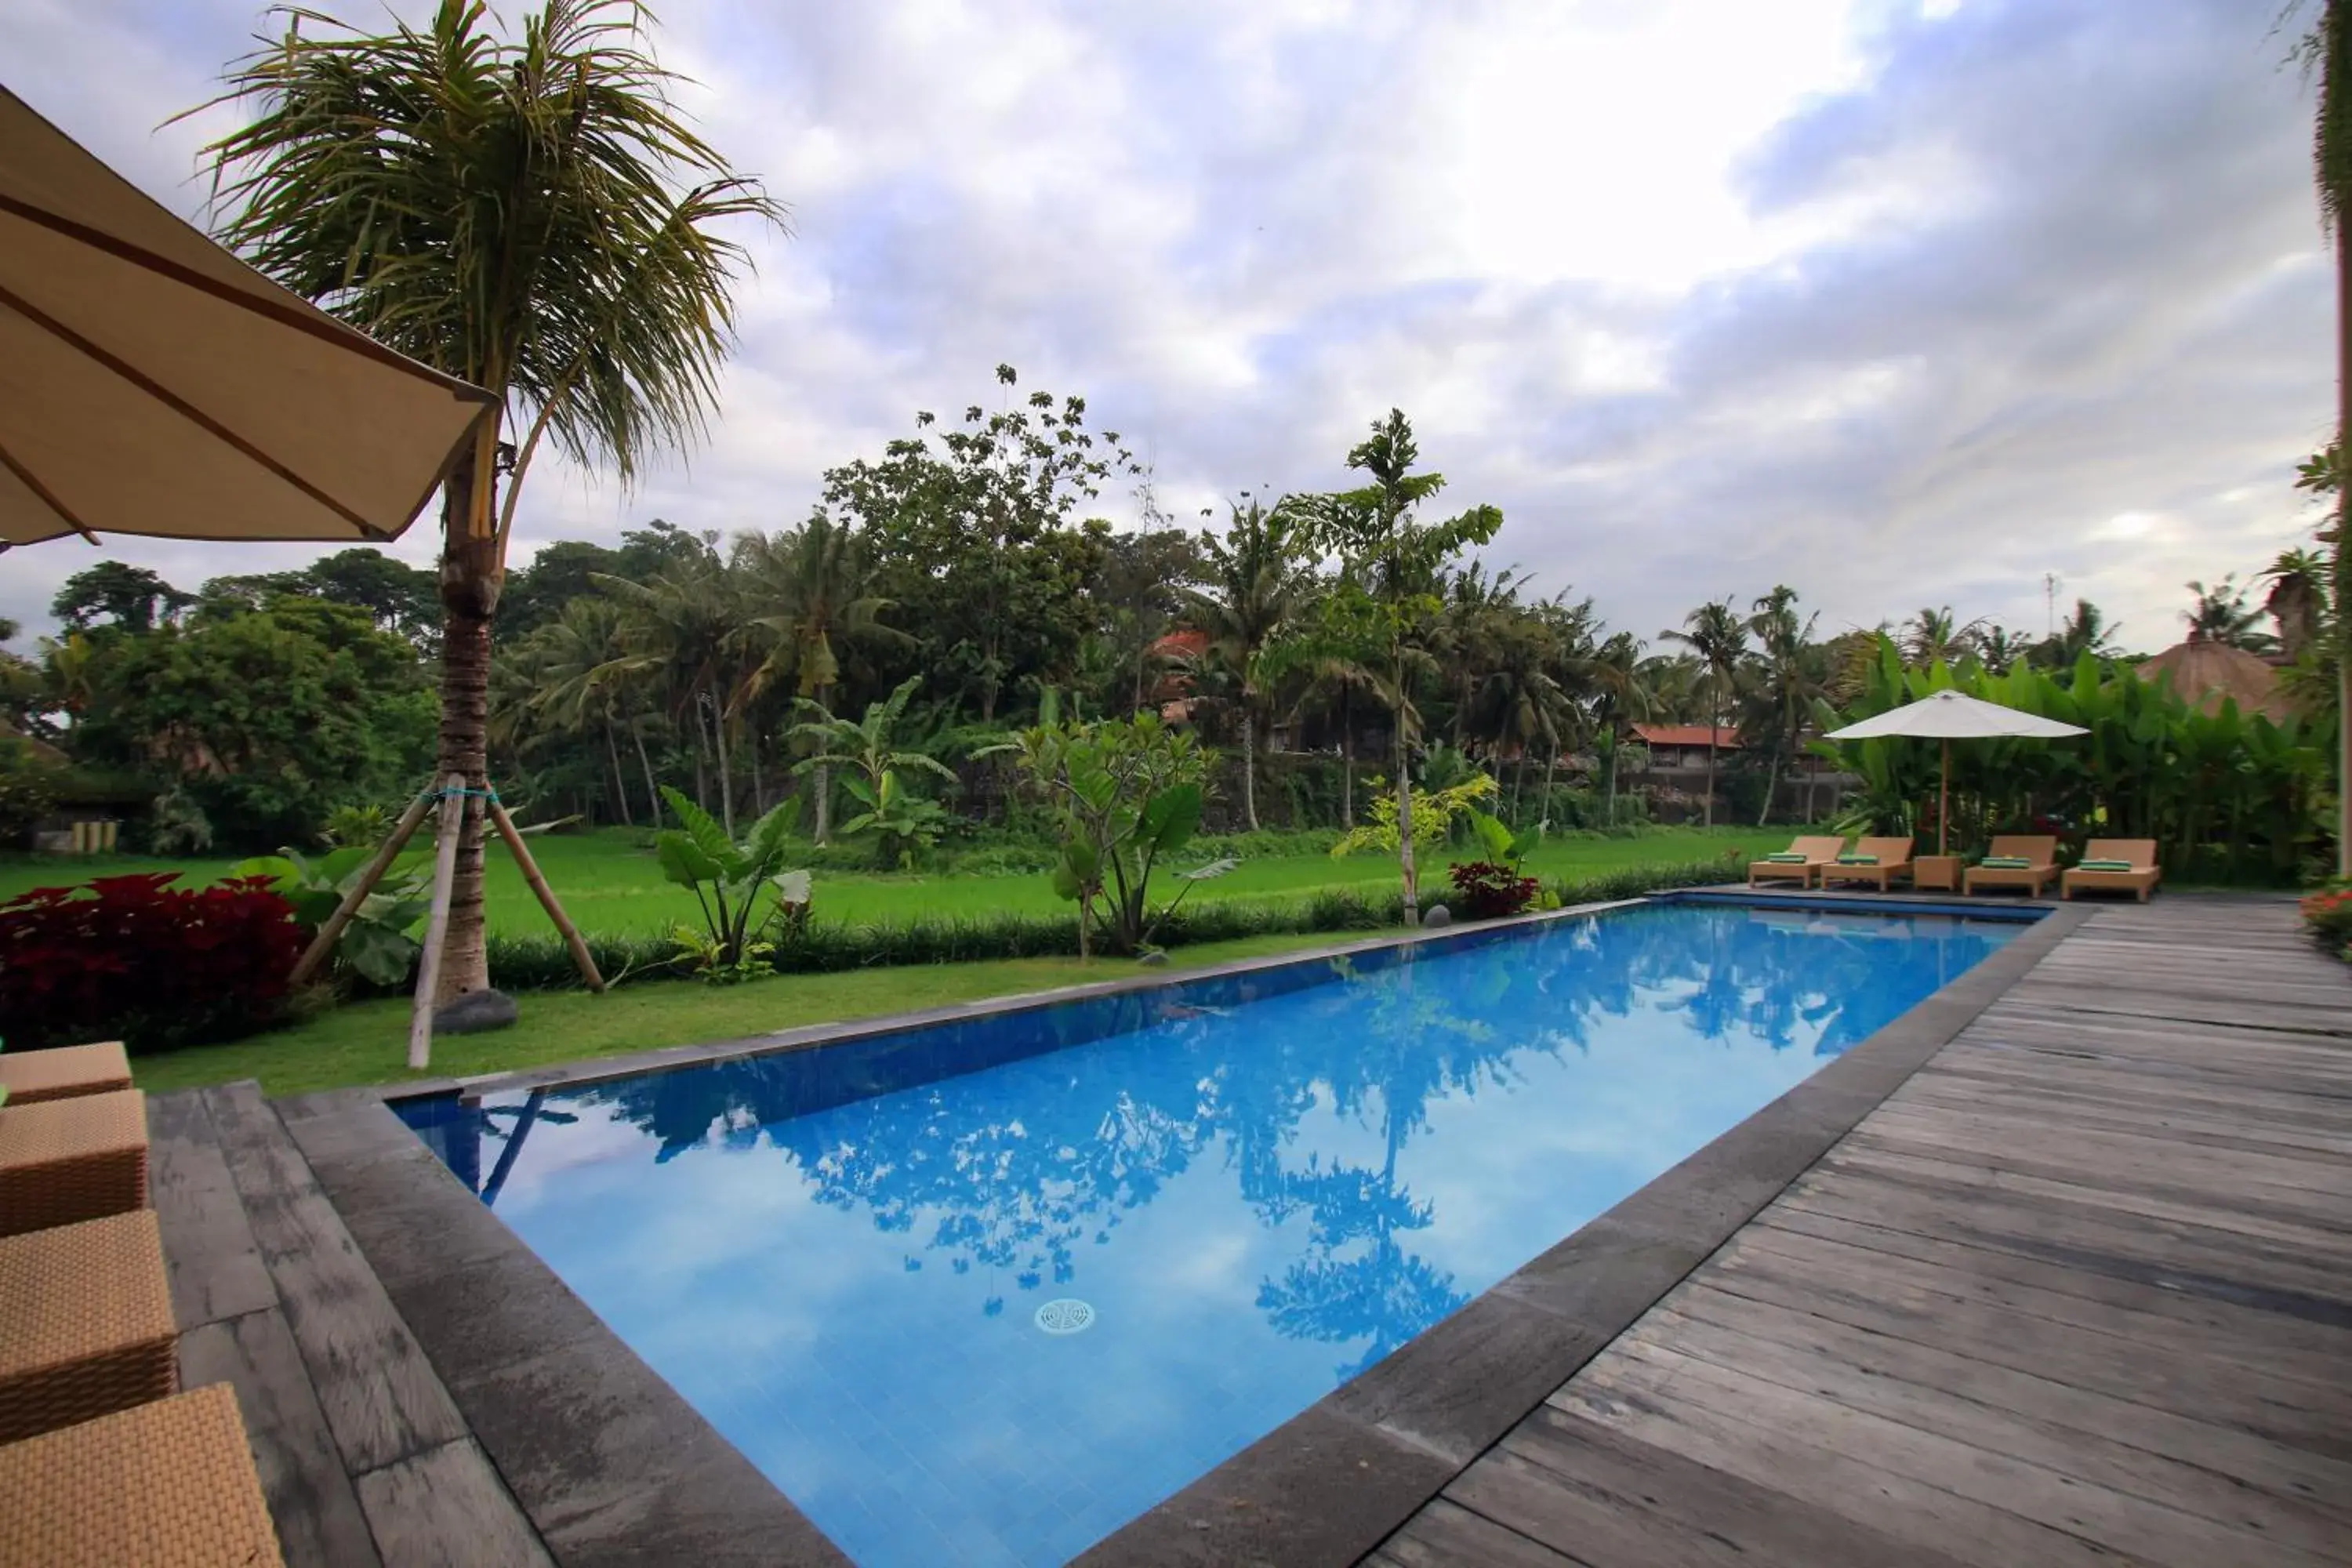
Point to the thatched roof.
(2209, 673)
(41, 752)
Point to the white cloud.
(1899, 302)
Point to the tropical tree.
(1934, 636)
(1717, 638)
(2086, 630)
(531, 214)
(812, 593)
(2327, 51)
(2297, 601)
(1259, 582)
(1391, 567)
(682, 631)
(1788, 681)
(2222, 615)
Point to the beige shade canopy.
(152, 384)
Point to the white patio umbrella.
(152, 384)
(1947, 716)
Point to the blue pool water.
(1256, 1186)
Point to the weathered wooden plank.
(2054, 1109)
(311, 1500)
(1922, 1517)
(382, 1399)
(2286, 1411)
(2155, 1089)
(1779, 1349)
(1943, 1458)
(2308, 1480)
(1446, 1535)
(1910, 1281)
(445, 1508)
(1612, 1499)
(210, 1258)
(1861, 1157)
(2166, 1293)
(2075, 1234)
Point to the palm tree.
(1788, 680)
(1934, 636)
(810, 589)
(532, 216)
(2222, 615)
(2084, 631)
(1717, 635)
(682, 633)
(2297, 601)
(571, 656)
(2328, 49)
(1258, 581)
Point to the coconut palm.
(2297, 601)
(1934, 636)
(2220, 614)
(811, 594)
(1790, 673)
(682, 633)
(1718, 637)
(1257, 583)
(572, 657)
(529, 213)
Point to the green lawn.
(610, 885)
(367, 1042)
(607, 884)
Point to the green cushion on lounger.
(2006, 863)
(1857, 859)
(2106, 866)
(1788, 857)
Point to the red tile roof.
(1685, 735)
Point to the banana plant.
(740, 889)
(378, 944)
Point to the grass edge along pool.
(982, 1291)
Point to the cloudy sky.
(1899, 302)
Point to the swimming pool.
(984, 1292)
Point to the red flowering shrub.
(133, 958)
(1484, 890)
(2328, 913)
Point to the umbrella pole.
(1944, 802)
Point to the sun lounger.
(1878, 861)
(86, 1324)
(2015, 860)
(1798, 863)
(67, 1160)
(167, 1485)
(63, 1071)
(2114, 866)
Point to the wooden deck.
(2079, 1292)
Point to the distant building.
(1673, 747)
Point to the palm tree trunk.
(468, 598)
(1707, 807)
(1404, 807)
(653, 792)
(1772, 784)
(620, 780)
(822, 778)
(1543, 816)
(1249, 766)
(758, 786)
(1347, 764)
(726, 772)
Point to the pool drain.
(1066, 1316)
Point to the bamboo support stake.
(547, 899)
(325, 942)
(437, 926)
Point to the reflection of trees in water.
(1021, 1190)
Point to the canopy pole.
(1944, 801)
